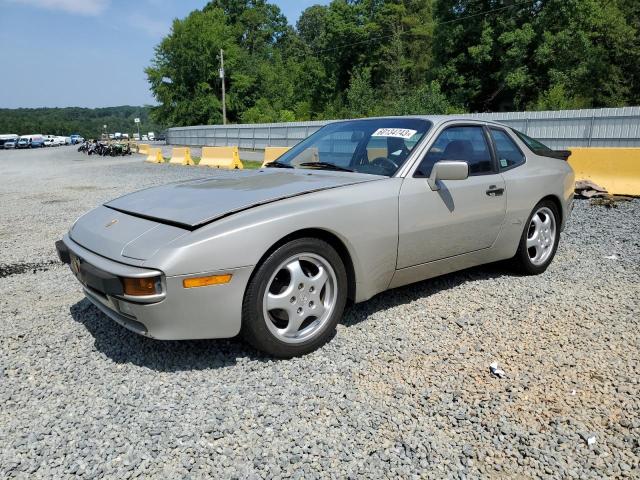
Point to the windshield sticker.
(395, 132)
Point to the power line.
(435, 24)
(487, 12)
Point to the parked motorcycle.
(105, 149)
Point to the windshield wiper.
(326, 166)
(277, 164)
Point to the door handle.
(494, 191)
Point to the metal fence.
(607, 127)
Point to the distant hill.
(88, 122)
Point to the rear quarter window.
(508, 153)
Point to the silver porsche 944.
(357, 208)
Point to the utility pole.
(224, 103)
(137, 122)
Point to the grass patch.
(247, 164)
(252, 165)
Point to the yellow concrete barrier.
(143, 148)
(616, 169)
(373, 153)
(181, 156)
(308, 155)
(273, 153)
(154, 155)
(221, 157)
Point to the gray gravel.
(403, 390)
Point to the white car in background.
(59, 141)
(49, 141)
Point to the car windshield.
(376, 146)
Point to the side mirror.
(447, 170)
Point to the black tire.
(522, 262)
(254, 324)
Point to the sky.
(88, 53)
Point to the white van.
(11, 137)
(36, 140)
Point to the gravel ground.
(402, 391)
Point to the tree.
(66, 121)
(532, 54)
(361, 97)
(424, 100)
(583, 49)
(380, 57)
(184, 71)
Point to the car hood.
(194, 203)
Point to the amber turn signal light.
(206, 281)
(141, 287)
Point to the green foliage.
(361, 96)
(355, 58)
(557, 98)
(87, 122)
(543, 54)
(425, 100)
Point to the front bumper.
(177, 314)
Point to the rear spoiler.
(559, 154)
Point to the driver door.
(464, 215)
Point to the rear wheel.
(295, 299)
(539, 241)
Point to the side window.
(509, 155)
(467, 144)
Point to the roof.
(435, 119)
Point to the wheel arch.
(556, 201)
(327, 236)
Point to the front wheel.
(295, 299)
(539, 241)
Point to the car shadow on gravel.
(409, 293)
(123, 346)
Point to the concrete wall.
(607, 127)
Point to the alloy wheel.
(541, 236)
(300, 298)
